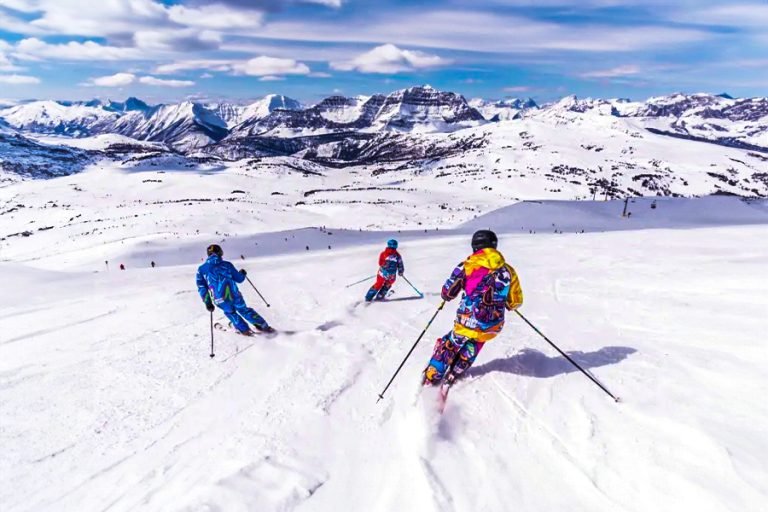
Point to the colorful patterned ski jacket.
(390, 263)
(490, 286)
(220, 278)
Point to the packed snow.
(111, 401)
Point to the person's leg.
(465, 358)
(388, 282)
(443, 357)
(237, 321)
(250, 314)
(375, 288)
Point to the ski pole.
(410, 283)
(257, 291)
(381, 395)
(574, 363)
(361, 281)
(212, 354)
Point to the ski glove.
(242, 271)
(210, 307)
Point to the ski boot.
(266, 329)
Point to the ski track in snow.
(110, 401)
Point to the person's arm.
(515, 295)
(382, 258)
(454, 284)
(236, 276)
(202, 287)
(400, 265)
(205, 293)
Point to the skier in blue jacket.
(217, 284)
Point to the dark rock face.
(399, 111)
(28, 159)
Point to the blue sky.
(308, 49)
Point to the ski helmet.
(483, 239)
(215, 249)
(392, 243)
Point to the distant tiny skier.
(217, 284)
(122, 267)
(390, 265)
(153, 264)
(490, 286)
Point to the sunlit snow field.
(110, 401)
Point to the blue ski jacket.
(218, 278)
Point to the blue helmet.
(392, 243)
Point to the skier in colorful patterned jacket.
(217, 284)
(490, 286)
(390, 265)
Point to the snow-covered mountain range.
(671, 145)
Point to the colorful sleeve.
(202, 286)
(400, 265)
(234, 274)
(455, 283)
(382, 258)
(515, 296)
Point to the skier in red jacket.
(390, 265)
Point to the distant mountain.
(417, 109)
(21, 157)
(74, 119)
(405, 124)
(234, 114)
(184, 126)
(502, 110)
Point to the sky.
(163, 50)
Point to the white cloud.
(19, 80)
(327, 3)
(102, 18)
(6, 64)
(215, 16)
(270, 78)
(485, 31)
(125, 79)
(617, 72)
(517, 89)
(35, 49)
(177, 40)
(151, 80)
(116, 80)
(388, 58)
(746, 15)
(271, 66)
(220, 65)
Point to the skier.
(217, 284)
(490, 286)
(390, 265)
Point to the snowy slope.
(111, 401)
(234, 114)
(53, 117)
(502, 110)
(186, 126)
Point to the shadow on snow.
(532, 363)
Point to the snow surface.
(110, 401)
(97, 142)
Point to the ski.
(254, 332)
(445, 387)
